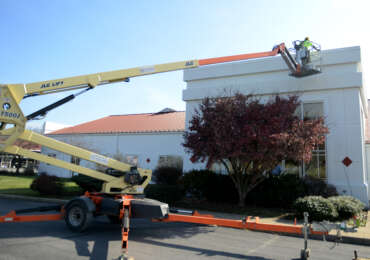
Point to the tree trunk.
(242, 192)
(242, 196)
(243, 187)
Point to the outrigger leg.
(126, 212)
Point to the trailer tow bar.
(13, 217)
(245, 223)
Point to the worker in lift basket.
(303, 51)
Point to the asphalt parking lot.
(52, 240)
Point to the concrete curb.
(352, 240)
(331, 238)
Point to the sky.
(44, 40)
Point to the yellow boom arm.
(12, 120)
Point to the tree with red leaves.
(250, 138)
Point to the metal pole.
(305, 252)
(305, 230)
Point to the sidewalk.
(360, 236)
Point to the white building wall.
(367, 150)
(339, 87)
(144, 145)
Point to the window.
(312, 111)
(219, 168)
(317, 166)
(52, 155)
(75, 160)
(170, 161)
(131, 159)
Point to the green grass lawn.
(17, 185)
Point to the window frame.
(302, 167)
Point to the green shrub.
(87, 183)
(47, 185)
(167, 175)
(277, 192)
(29, 172)
(357, 202)
(318, 187)
(195, 183)
(318, 208)
(274, 192)
(282, 191)
(165, 193)
(205, 184)
(221, 188)
(347, 206)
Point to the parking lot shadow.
(206, 252)
(94, 242)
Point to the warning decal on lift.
(149, 69)
(99, 159)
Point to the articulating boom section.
(293, 66)
(129, 179)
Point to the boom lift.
(120, 196)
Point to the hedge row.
(165, 193)
(335, 208)
(87, 183)
(206, 185)
(275, 191)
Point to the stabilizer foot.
(126, 257)
(305, 254)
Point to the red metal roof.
(135, 123)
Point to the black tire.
(78, 217)
(114, 219)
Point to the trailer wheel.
(78, 217)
